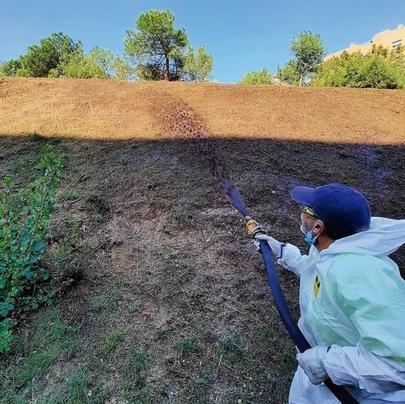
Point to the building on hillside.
(390, 38)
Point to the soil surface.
(165, 256)
(109, 109)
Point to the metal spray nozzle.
(253, 228)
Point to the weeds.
(70, 195)
(112, 340)
(48, 339)
(25, 218)
(185, 347)
(105, 303)
(78, 390)
(135, 371)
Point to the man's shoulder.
(350, 267)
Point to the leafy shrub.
(259, 77)
(24, 221)
(381, 68)
(289, 73)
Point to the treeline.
(155, 50)
(381, 68)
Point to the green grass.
(112, 340)
(70, 195)
(133, 377)
(185, 347)
(47, 340)
(78, 390)
(105, 303)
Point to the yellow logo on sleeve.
(317, 286)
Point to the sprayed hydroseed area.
(178, 120)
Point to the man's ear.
(318, 228)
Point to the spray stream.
(181, 120)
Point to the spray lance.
(253, 229)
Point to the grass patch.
(105, 303)
(234, 357)
(134, 374)
(112, 340)
(185, 347)
(78, 390)
(70, 195)
(47, 340)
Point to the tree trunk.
(300, 83)
(167, 69)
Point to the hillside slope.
(100, 109)
(170, 303)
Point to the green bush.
(308, 50)
(381, 68)
(289, 73)
(24, 221)
(259, 77)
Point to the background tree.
(289, 73)
(98, 63)
(308, 52)
(257, 77)
(382, 68)
(10, 68)
(44, 59)
(198, 65)
(157, 45)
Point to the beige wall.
(390, 38)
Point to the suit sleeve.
(371, 294)
(292, 259)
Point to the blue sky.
(241, 35)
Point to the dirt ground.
(110, 109)
(166, 265)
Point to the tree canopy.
(158, 47)
(198, 65)
(257, 77)
(308, 52)
(44, 59)
(382, 68)
(156, 50)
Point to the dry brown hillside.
(170, 303)
(100, 109)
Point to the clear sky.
(241, 35)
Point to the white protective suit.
(352, 298)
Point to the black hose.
(292, 328)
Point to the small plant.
(138, 363)
(231, 344)
(6, 335)
(36, 137)
(186, 346)
(113, 340)
(45, 341)
(24, 221)
(70, 195)
(135, 372)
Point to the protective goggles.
(309, 211)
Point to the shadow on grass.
(172, 298)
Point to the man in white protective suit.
(352, 298)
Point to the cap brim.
(303, 195)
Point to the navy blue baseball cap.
(343, 209)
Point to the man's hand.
(311, 362)
(275, 245)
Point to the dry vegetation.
(171, 303)
(107, 109)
